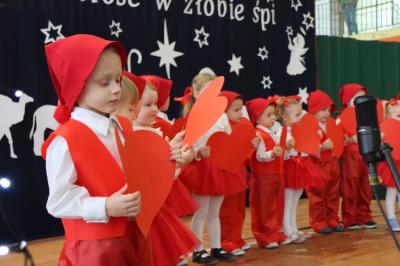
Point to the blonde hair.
(129, 91)
(149, 88)
(198, 83)
(282, 104)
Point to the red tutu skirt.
(180, 201)
(170, 239)
(301, 172)
(386, 175)
(203, 178)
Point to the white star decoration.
(308, 21)
(296, 4)
(289, 30)
(49, 37)
(201, 37)
(263, 53)
(115, 28)
(266, 82)
(303, 94)
(166, 52)
(235, 64)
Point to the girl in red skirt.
(324, 200)
(171, 240)
(299, 170)
(392, 112)
(267, 183)
(355, 189)
(233, 210)
(208, 184)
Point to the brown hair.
(282, 103)
(198, 83)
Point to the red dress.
(386, 175)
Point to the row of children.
(88, 188)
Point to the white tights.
(292, 197)
(208, 209)
(391, 194)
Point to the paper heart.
(380, 110)
(238, 143)
(141, 150)
(348, 121)
(205, 112)
(336, 134)
(305, 135)
(164, 126)
(178, 126)
(391, 128)
(282, 144)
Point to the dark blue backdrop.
(257, 45)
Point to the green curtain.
(373, 64)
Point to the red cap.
(348, 91)
(230, 96)
(187, 94)
(257, 106)
(139, 82)
(71, 61)
(319, 100)
(163, 87)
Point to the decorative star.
(203, 39)
(263, 53)
(303, 95)
(235, 64)
(308, 21)
(115, 28)
(289, 30)
(166, 52)
(266, 82)
(50, 33)
(296, 4)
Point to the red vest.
(273, 167)
(326, 155)
(97, 171)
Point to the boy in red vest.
(87, 187)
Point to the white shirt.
(222, 125)
(262, 154)
(66, 199)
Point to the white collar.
(97, 122)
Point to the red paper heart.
(348, 120)
(380, 110)
(206, 111)
(238, 143)
(282, 141)
(141, 150)
(305, 135)
(391, 128)
(178, 126)
(336, 134)
(164, 126)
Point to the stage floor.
(364, 247)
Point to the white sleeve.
(66, 199)
(262, 154)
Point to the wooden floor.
(364, 247)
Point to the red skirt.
(130, 250)
(301, 172)
(386, 175)
(170, 239)
(203, 178)
(180, 201)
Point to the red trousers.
(232, 215)
(266, 205)
(130, 250)
(324, 200)
(355, 188)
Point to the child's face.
(292, 114)
(234, 111)
(267, 118)
(360, 93)
(148, 107)
(394, 112)
(165, 107)
(129, 111)
(197, 93)
(323, 115)
(102, 90)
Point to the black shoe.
(222, 255)
(203, 257)
(338, 228)
(370, 225)
(325, 231)
(354, 227)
